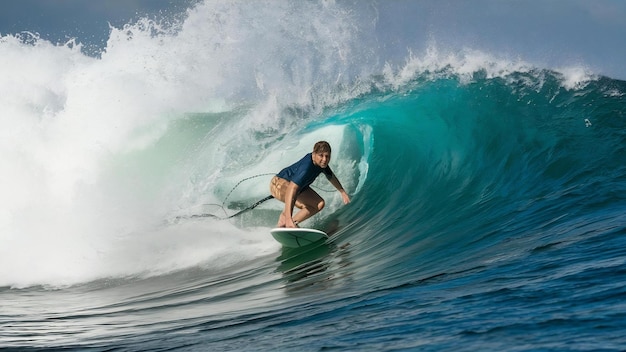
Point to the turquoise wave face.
(460, 172)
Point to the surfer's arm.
(335, 182)
(290, 202)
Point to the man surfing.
(291, 186)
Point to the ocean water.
(488, 195)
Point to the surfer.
(291, 186)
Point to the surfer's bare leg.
(281, 220)
(309, 203)
(277, 189)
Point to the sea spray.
(79, 186)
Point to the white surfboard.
(297, 237)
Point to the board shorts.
(278, 188)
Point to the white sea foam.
(72, 209)
(465, 64)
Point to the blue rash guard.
(304, 172)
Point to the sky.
(552, 33)
(86, 20)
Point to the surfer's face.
(321, 159)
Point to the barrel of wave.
(350, 149)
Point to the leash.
(237, 213)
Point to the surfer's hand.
(345, 197)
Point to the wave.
(465, 173)
(99, 152)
